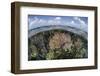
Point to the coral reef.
(56, 44)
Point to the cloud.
(40, 22)
(50, 21)
(80, 20)
(55, 21)
(80, 23)
(58, 18)
(76, 18)
(72, 22)
(33, 21)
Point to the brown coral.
(60, 40)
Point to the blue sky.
(35, 21)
